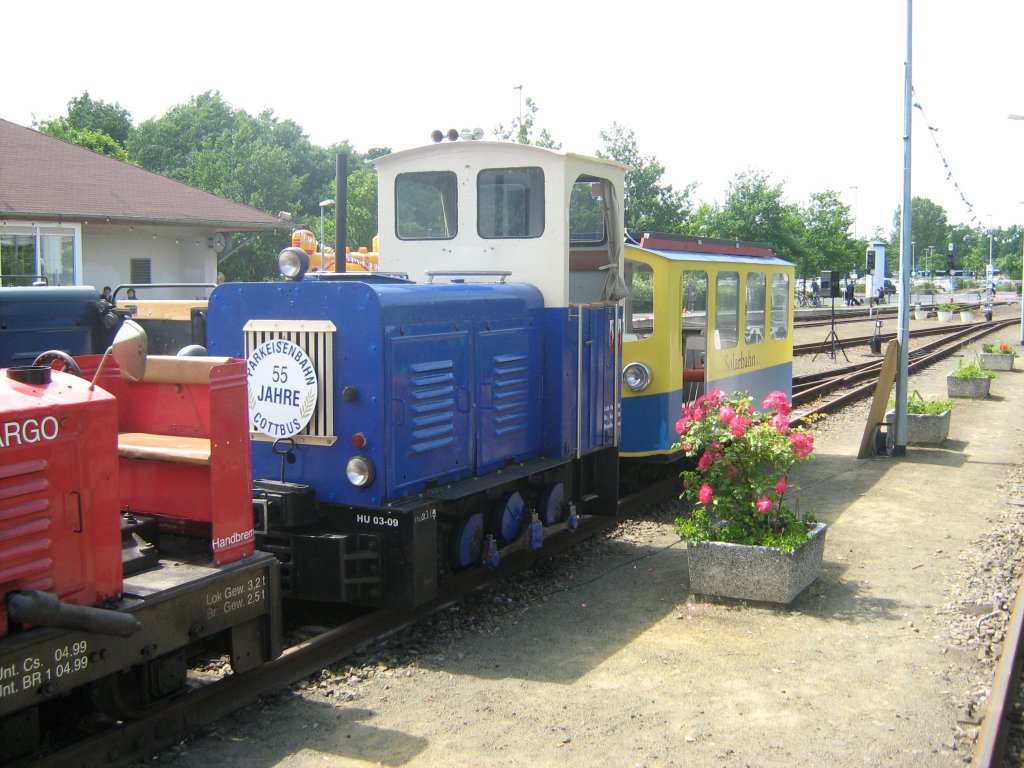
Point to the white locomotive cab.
(494, 211)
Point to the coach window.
(781, 294)
(727, 310)
(640, 302)
(510, 203)
(694, 290)
(426, 206)
(757, 305)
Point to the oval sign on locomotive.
(282, 389)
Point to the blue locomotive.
(457, 406)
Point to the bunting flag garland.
(932, 130)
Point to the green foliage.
(742, 474)
(95, 125)
(755, 210)
(972, 370)
(520, 130)
(948, 306)
(97, 141)
(998, 349)
(917, 405)
(827, 243)
(930, 228)
(649, 205)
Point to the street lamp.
(991, 271)
(325, 204)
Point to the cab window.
(757, 305)
(510, 202)
(780, 305)
(426, 206)
(727, 310)
(587, 210)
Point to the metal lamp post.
(1021, 117)
(325, 204)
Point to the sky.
(810, 92)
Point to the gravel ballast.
(602, 656)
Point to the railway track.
(813, 394)
(120, 743)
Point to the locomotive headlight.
(293, 263)
(636, 377)
(359, 471)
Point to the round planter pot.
(995, 361)
(966, 317)
(944, 317)
(755, 573)
(974, 388)
(920, 314)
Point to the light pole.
(1021, 117)
(325, 204)
(854, 212)
(991, 271)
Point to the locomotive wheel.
(120, 695)
(55, 356)
(509, 513)
(468, 542)
(131, 693)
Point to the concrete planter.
(746, 572)
(996, 361)
(920, 314)
(924, 428)
(966, 317)
(944, 317)
(975, 388)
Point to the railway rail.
(120, 743)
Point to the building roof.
(47, 179)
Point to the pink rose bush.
(743, 460)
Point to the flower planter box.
(995, 361)
(746, 572)
(944, 317)
(977, 387)
(924, 428)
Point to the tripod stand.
(831, 342)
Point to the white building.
(77, 217)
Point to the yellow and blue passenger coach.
(702, 313)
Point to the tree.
(648, 205)
(95, 125)
(826, 234)
(928, 228)
(755, 210)
(520, 130)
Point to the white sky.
(810, 91)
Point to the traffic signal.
(949, 261)
(870, 262)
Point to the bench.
(183, 443)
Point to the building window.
(140, 271)
(31, 251)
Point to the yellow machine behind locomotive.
(702, 313)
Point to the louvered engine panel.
(429, 437)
